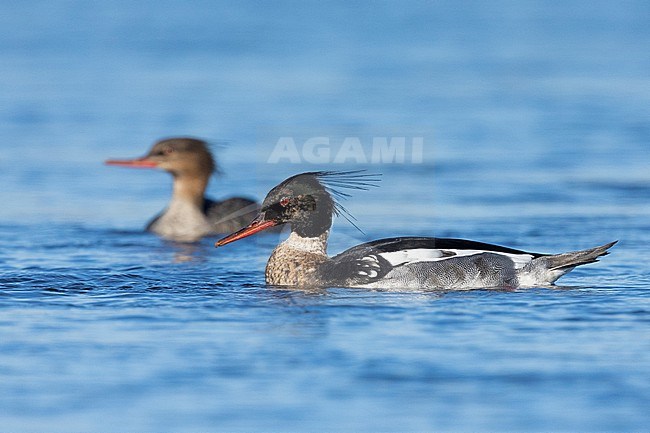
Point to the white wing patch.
(369, 266)
(414, 255)
(396, 258)
(520, 260)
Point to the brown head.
(180, 156)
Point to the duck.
(307, 202)
(190, 215)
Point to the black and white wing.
(415, 258)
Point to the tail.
(547, 269)
(571, 260)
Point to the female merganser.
(305, 201)
(190, 215)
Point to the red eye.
(169, 150)
(284, 202)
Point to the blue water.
(536, 127)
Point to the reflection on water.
(187, 252)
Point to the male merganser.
(190, 215)
(305, 201)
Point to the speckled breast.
(289, 267)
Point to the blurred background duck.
(190, 215)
